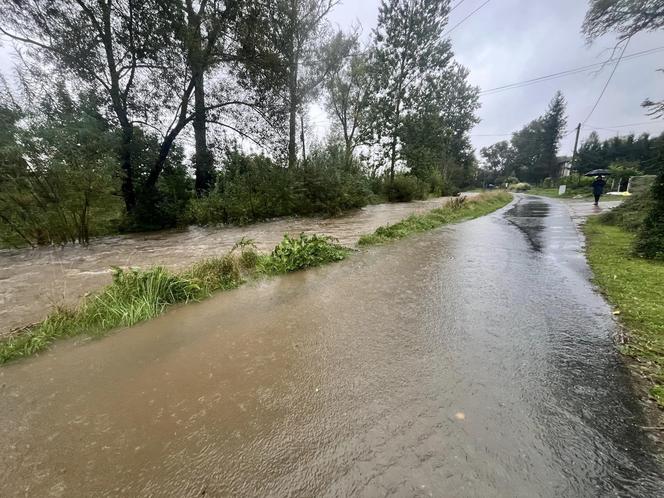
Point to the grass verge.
(458, 209)
(138, 295)
(572, 192)
(635, 287)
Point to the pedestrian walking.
(598, 188)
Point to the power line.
(607, 82)
(627, 125)
(465, 18)
(456, 5)
(568, 72)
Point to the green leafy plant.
(305, 251)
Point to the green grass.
(459, 209)
(571, 192)
(635, 286)
(138, 295)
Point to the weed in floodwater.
(458, 209)
(305, 251)
(216, 274)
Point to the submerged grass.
(137, 295)
(635, 286)
(458, 209)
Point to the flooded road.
(474, 360)
(34, 281)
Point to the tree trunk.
(203, 161)
(292, 131)
(304, 147)
(292, 88)
(128, 192)
(202, 158)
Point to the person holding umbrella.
(599, 183)
(598, 188)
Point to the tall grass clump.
(458, 209)
(132, 297)
(305, 251)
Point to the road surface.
(475, 360)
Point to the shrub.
(631, 214)
(254, 187)
(293, 254)
(521, 187)
(405, 188)
(650, 237)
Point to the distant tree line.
(133, 115)
(643, 153)
(532, 153)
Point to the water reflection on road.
(463, 362)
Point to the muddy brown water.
(475, 360)
(34, 281)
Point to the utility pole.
(576, 144)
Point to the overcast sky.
(513, 40)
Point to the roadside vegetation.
(458, 209)
(626, 254)
(138, 295)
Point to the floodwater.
(475, 360)
(34, 281)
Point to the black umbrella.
(598, 172)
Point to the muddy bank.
(34, 281)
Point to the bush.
(293, 254)
(405, 188)
(521, 187)
(253, 187)
(631, 214)
(650, 237)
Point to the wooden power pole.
(576, 144)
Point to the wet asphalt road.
(475, 360)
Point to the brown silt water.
(475, 360)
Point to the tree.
(498, 159)
(203, 30)
(627, 18)
(133, 52)
(347, 98)
(590, 154)
(60, 183)
(286, 38)
(553, 127)
(409, 52)
(434, 136)
(106, 44)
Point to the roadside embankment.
(635, 286)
